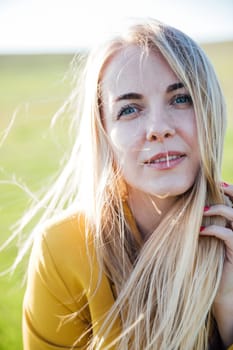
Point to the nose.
(159, 131)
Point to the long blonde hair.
(165, 287)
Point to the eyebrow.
(129, 96)
(136, 96)
(175, 86)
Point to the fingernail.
(224, 184)
(202, 228)
(206, 208)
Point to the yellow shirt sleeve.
(63, 308)
(55, 292)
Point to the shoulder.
(65, 245)
(69, 232)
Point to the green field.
(32, 88)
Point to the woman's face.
(149, 118)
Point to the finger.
(219, 209)
(227, 188)
(223, 233)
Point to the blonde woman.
(142, 257)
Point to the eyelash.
(124, 109)
(186, 96)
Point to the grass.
(34, 87)
(221, 55)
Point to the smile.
(165, 161)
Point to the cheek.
(125, 139)
(188, 130)
(125, 144)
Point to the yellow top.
(60, 272)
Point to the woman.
(143, 256)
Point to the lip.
(165, 160)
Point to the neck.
(148, 210)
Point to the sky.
(28, 26)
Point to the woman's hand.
(223, 305)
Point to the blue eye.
(182, 99)
(128, 110)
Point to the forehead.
(131, 69)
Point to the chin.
(171, 191)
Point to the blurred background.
(38, 41)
